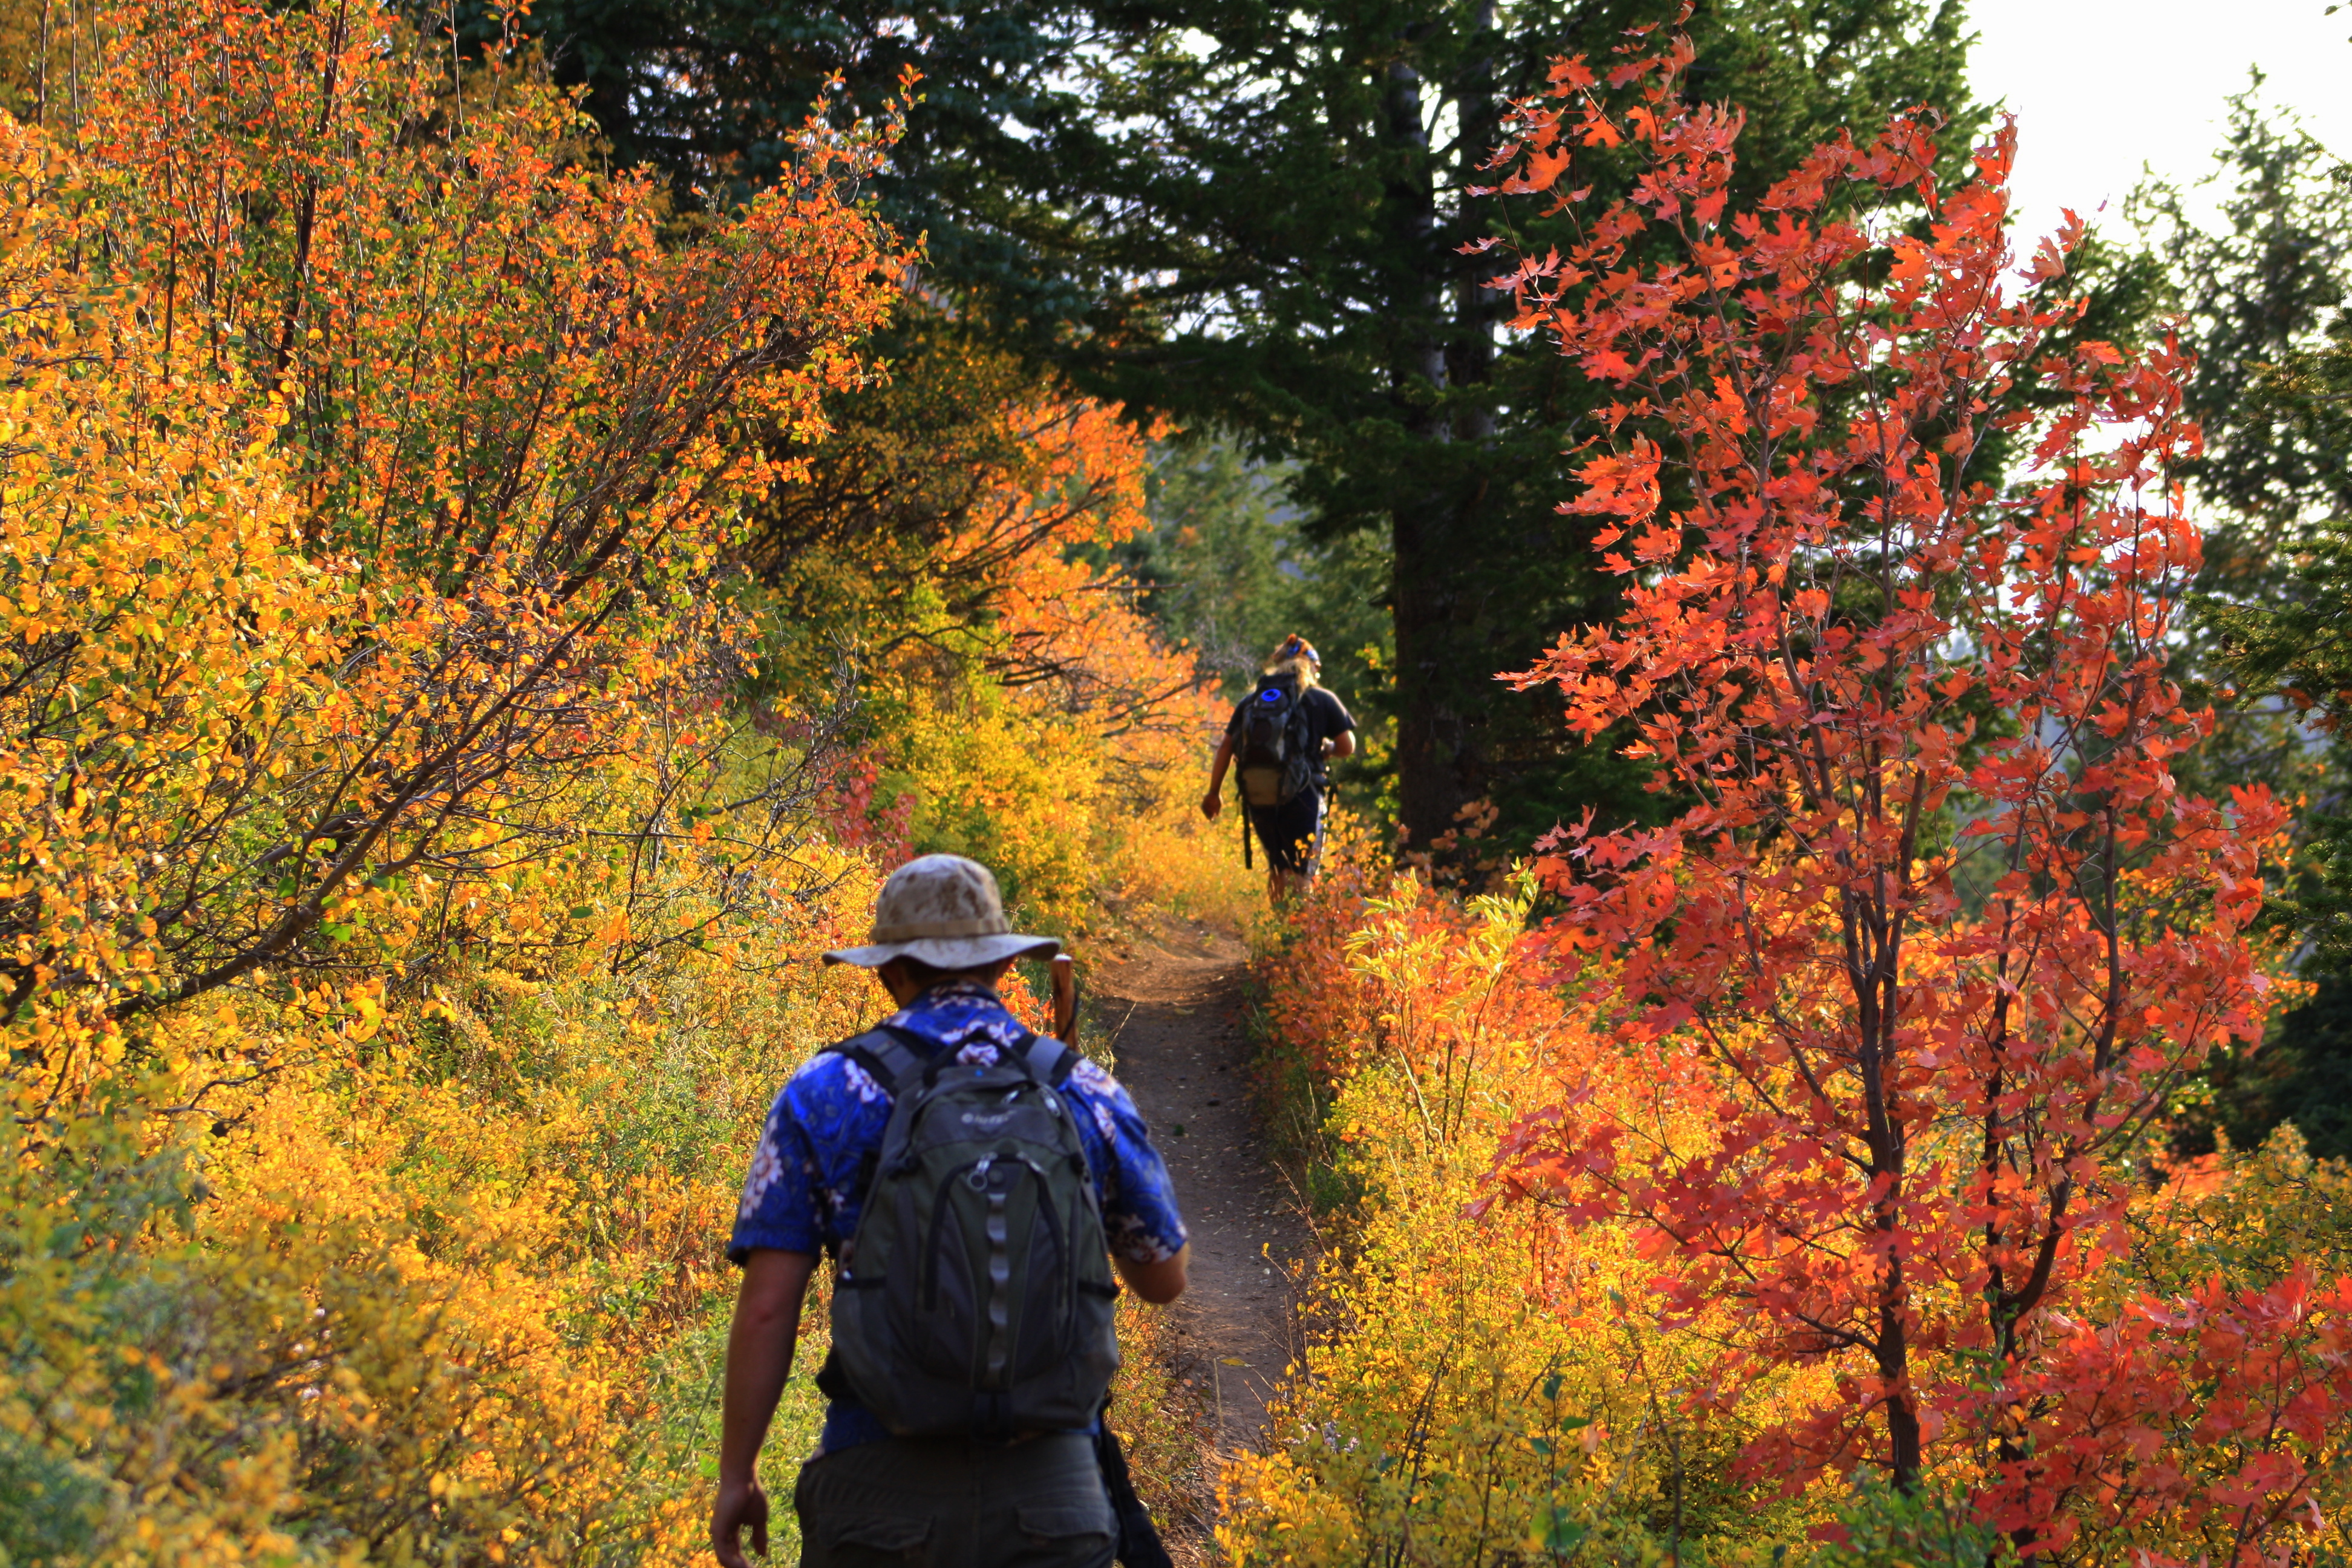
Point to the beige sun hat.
(943, 911)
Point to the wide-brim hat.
(946, 912)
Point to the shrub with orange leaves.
(369, 468)
(1497, 1380)
(410, 910)
(1484, 1384)
(953, 549)
(493, 437)
(1855, 1087)
(1938, 934)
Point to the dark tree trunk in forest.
(1248, 217)
(1432, 751)
(1436, 766)
(1470, 360)
(1440, 528)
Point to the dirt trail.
(1173, 1001)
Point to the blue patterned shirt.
(801, 1194)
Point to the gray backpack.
(975, 1299)
(1277, 743)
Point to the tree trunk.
(1903, 1432)
(1470, 357)
(1872, 948)
(1432, 733)
(1442, 600)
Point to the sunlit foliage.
(1488, 1388)
(414, 865)
(952, 556)
(1850, 1076)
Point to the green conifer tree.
(1250, 217)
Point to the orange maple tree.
(1936, 934)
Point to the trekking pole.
(1244, 814)
(1315, 855)
(1065, 1000)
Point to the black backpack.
(975, 1299)
(1277, 743)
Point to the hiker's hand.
(737, 1506)
(1211, 803)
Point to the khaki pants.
(947, 1503)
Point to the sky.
(2103, 87)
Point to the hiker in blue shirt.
(940, 943)
(1286, 734)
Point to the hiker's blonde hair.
(1295, 658)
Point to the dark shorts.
(1287, 833)
(947, 1503)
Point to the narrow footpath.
(1173, 1003)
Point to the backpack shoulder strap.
(1048, 1060)
(885, 1058)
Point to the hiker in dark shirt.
(940, 943)
(1287, 828)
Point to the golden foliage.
(953, 547)
(1509, 1383)
(407, 918)
(1489, 1385)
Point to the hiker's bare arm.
(1342, 744)
(759, 1358)
(1215, 801)
(1158, 1283)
